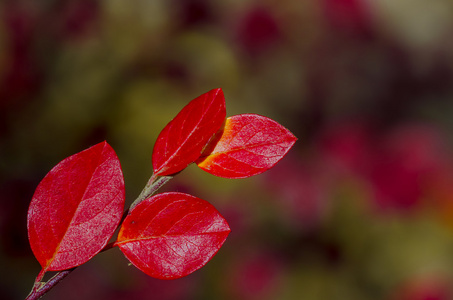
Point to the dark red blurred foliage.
(76, 18)
(346, 145)
(349, 16)
(254, 276)
(21, 77)
(301, 192)
(27, 29)
(191, 13)
(258, 30)
(399, 165)
(409, 162)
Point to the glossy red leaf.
(248, 145)
(76, 208)
(183, 139)
(171, 235)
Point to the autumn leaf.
(248, 145)
(76, 208)
(171, 235)
(183, 139)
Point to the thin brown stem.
(154, 183)
(40, 289)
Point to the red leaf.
(248, 145)
(76, 208)
(183, 139)
(171, 235)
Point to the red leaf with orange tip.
(171, 235)
(248, 145)
(76, 208)
(183, 139)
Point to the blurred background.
(360, 208)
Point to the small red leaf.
(76, 208)
(248, 145)
(183, 139)
(171, 235)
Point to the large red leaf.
(171, 235)
(248, 144)
(76, 208)
(183, 139)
